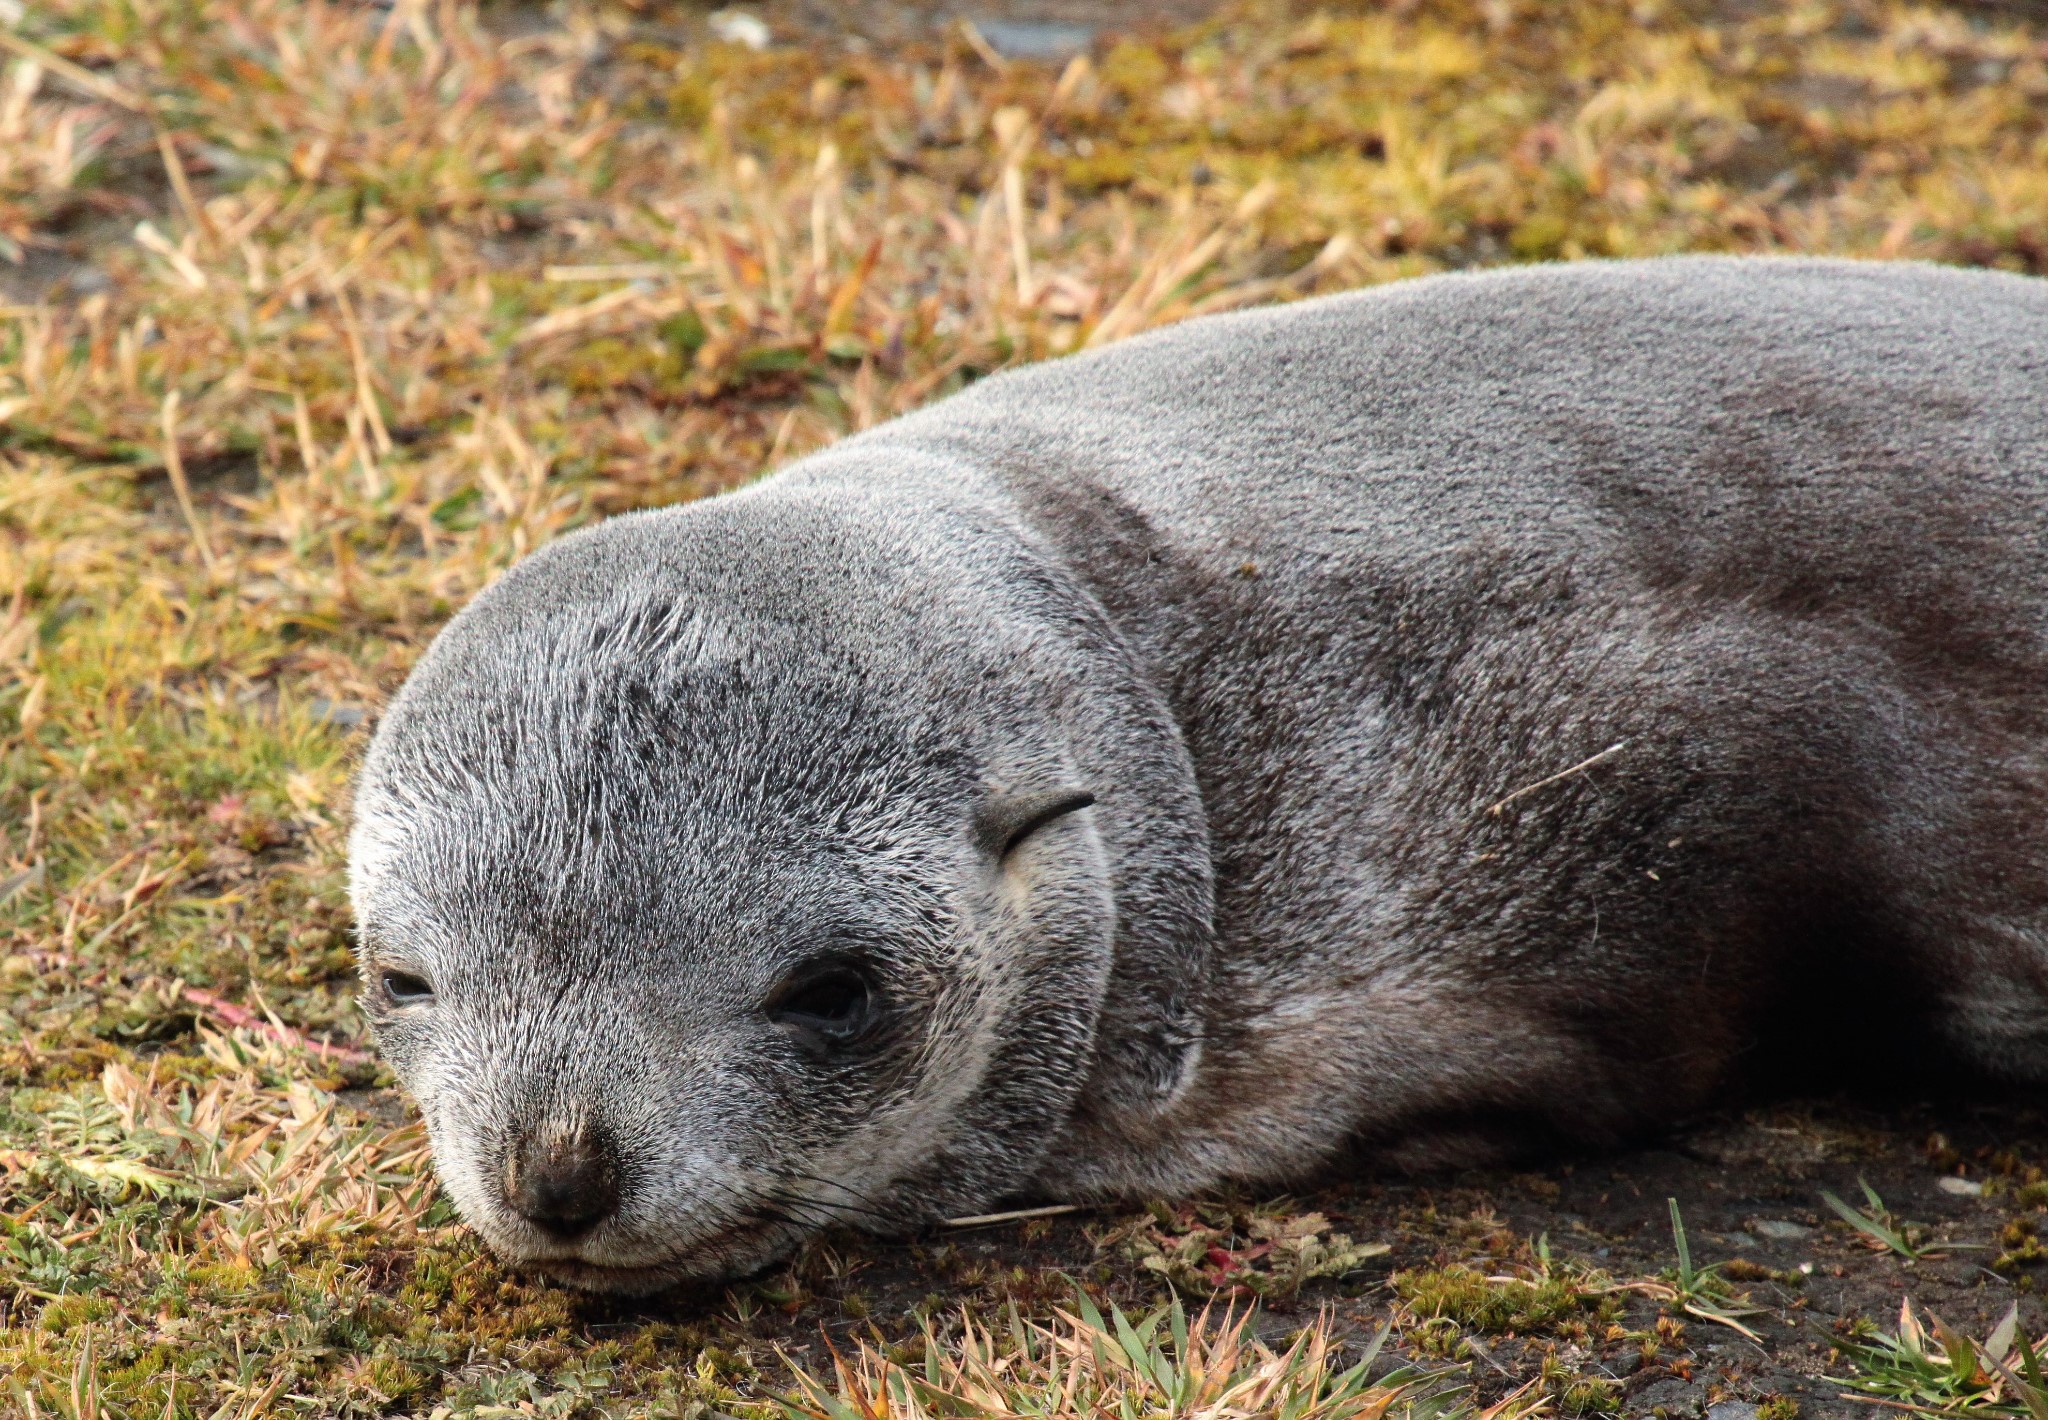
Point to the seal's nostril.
(564, 1184)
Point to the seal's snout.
(564, 1183)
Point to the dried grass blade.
(174, 465)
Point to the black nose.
(565, 1182)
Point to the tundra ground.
(315, 316)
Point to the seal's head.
(732, 870)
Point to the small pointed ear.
(1008, 819)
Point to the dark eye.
(831, 1002)
(402, 988)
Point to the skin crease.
(1432, 723)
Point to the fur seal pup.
(1437, 719)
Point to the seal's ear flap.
(1006, 820)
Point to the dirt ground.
(1749, 1187)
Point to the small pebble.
(1035, 39)
(740, 27)
(1960, 1187)
(1732, 1410)
(1779, 1229)
(334, 712)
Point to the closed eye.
(827, 1003)
(405, 988)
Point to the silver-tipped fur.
(1107, 781)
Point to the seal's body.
(1439, 719)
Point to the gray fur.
(1299, 595)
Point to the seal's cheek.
(403, 1046)
(463, 1164)
(973, 1088)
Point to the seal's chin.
(732, 1252)
(618, 1281)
